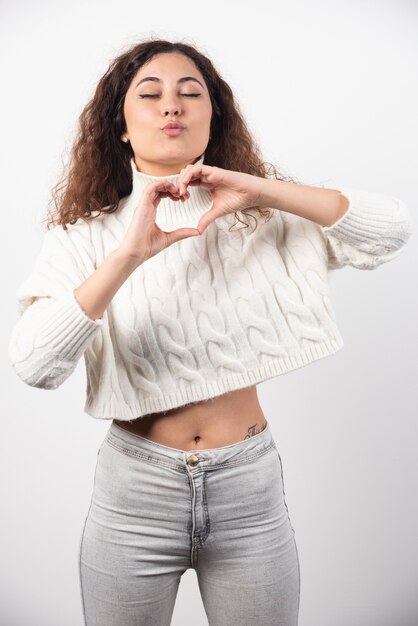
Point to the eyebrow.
(180, 80)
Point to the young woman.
(179, 315)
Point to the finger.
(195, 172)
(186, 180)
(195, 181)
(161, 189)
(181, 233)
(206, 219)
(164, 189)
(172, 194)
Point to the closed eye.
(189, 95)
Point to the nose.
(171, 106)
(171, 111)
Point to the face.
(151, 104)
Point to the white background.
(328, 90)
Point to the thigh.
(133, 547)
(248, 567)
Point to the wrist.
(268, 193)
(126, 258)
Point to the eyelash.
(190, 95)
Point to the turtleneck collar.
(171, 214)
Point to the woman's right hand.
(144, 238)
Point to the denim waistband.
(236, 453)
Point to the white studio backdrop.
(329, 91)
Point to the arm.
(95, 294)
(360, 228)
(55, 328)
(323, 206)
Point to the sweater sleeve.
(52, 331)
(372, 231)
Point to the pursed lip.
(173, 125)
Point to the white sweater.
(207, 315)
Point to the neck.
(171, 214)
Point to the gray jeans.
(157, 511)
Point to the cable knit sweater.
(207, 315)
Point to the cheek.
(202, 122)
(143, 121)
(135, 115)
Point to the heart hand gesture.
(231, 191)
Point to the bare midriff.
(213, 423)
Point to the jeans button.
(192, 459)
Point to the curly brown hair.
(100, 172)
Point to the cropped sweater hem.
(114, 409)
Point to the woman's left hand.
(231, 191)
